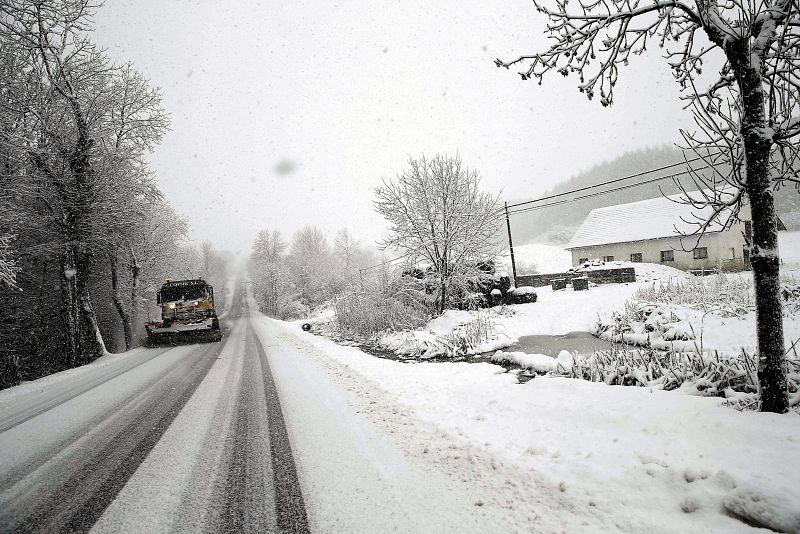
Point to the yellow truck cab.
(187, 310)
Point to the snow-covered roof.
(639, 221)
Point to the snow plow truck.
(187, 313)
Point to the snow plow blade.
(173, 334)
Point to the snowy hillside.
(537, 258)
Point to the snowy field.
(627, 458)
(674, 463)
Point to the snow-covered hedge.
(731, 376)
(362, 313)
(728, 295)
(521, 295)
(472, 337)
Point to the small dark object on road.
(306, 327)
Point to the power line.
(598, 193)
(573, 199)
(609, 182)
(387, 262)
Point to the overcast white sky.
(347, 91)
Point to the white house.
(650, 231)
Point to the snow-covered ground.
(623, 458)
(789, 247)
(554, 313)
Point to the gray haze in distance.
(290, 113)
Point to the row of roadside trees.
(85, 235)
(292, 278)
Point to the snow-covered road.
(256, 434)
(187, 438)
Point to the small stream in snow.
(549, 345)
(580, 342)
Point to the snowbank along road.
(188, 438)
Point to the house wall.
(725, 250)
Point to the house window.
(667, 255)
(636, 257)
(701, 253)
(608, 258)
(581, 261)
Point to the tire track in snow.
(9, 421)
(74, 504)
(289, 505)
(246, 491)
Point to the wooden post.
(511, 247)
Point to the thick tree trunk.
(70, 309)
(136, 272)
(84, 343)
(120, 307)
(764, 255)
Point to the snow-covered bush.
(472, 337)
(730, 296)
(502, 282)
(521, 295)
(475, 301)
(400, 304)
(732, 376)
(790, 291)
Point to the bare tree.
(56, 92)
(311, 267)
(345, 249)
(270, 274)
(438, 215)
(268, 247)
(350, 256)
(748, 115)
(143, 258)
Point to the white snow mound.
(774, 511)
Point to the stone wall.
(620, 275)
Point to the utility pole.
(511, 246)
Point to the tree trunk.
(764, 256)
(70, 310)
(443, 286)
(84, 343)
(136, 272)
(123, 315)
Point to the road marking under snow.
(289, 505)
